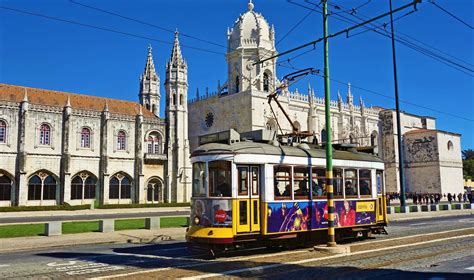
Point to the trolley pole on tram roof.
(327, 100)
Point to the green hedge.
(118, 206)
(44, 208)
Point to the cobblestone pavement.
(169, 259)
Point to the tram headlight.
(197, 220)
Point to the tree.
(468, 154)
(468, 163)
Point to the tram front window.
(219, 179)
(199, 176)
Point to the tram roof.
(246, 147)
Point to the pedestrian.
(459, 197)
(388, 199)
(431, 198)
(464, 198)
(415, 197)
(469, 197)
(450, 198)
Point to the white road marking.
(466, 220)
(4, 265)
(419, 224)
(470, 268)
(74, 268)
(235, 271)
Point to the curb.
(45, 242)
(396, 219)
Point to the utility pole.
(327, 102)
(397, 107)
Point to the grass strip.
(23, 230)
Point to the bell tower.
(179, 166)
(150, 86)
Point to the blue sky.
(44, 53)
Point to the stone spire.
(176, 56)
(150, 86)
(350, 97)
(150, 65)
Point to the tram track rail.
(228, 266)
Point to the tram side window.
(242, 180)
(365, 182)
(379, 181)
(338, 183)
(282, 181)
(219, 179)
(350, 183)
(199, 179)
(301, 182)
(319, 183)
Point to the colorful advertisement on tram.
(306, 215)
(214, 212)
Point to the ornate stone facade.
(241, 103)
(59, 147)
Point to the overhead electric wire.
(413, 45)
(418, 48)
(387, 96)
(146, 23)
(106, 29)
(403, 41)
(451, 14)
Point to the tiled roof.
(38, 96)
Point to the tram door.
(381, 203)
(248, 202)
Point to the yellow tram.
(251, 190)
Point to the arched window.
(323, 136)
(154, 143)
(45, 134)
(266, 82)
(351, 139)
(237, 83)
(85, 138)
(120, 186)
(271, 125)
(121, 140)
(154, 191)
(3, 131)
(373, 139)
(83, 186)
(450, 146)
(174, 98)
(42, 186)
(297, 125)
(5, 187)
(181, 99)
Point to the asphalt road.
(450, 259)
(91, 217)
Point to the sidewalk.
(124, 236)
(424, 215)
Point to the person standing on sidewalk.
(450, 198)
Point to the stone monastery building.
(241, 104)
(59, 147)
